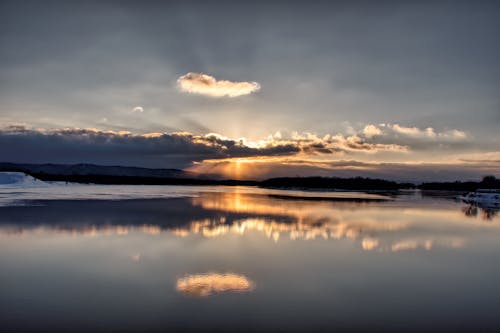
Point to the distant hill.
(99, 174)
(92, 169)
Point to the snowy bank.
(19, 179)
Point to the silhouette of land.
(119, 175)
(488, 182)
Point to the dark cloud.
(74, 145)
(305, 154)
(18, 144)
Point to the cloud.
(203, 84)
(371, 130)
(412, 132)
(138, 109)
(429, 132)
(485, 158)
(303, 166)
(186, 147)
(339, 143)
(277, 155)
(76, 145)
(416, 138)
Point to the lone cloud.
(203, 84)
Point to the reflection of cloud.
(370, 226)
(427, 243)
(410, 245)
(369, 243)
(213, 283)
(203, 84)
(272, 229)
(304, 231)
(320, 220)
(89, 230)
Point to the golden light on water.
(208, 284)
(371, 226)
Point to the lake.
(160, 258)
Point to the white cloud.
(139, 109)
(457, 134)
(411, 131)
(203, 84)
(371, 130)
(429, 132)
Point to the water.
(244, 259)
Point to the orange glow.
(208, 284)
(301, 164)
(370, 226)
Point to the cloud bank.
(203, 84)
(400, 171)
(385, 150)
(179, 149)
(75, 145)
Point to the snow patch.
(19, 179)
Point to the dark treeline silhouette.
(92, 169)
(488, 182)
(356, 183)
(134, 180)
(116, 175)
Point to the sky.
(404, 90)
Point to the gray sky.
(321, 67)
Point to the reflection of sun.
(213, 283)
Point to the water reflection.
(486, 213)
(294, 231)
(208, 284)
(373, 226)
(278, 265)
(80, 230)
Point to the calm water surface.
(244, 259)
